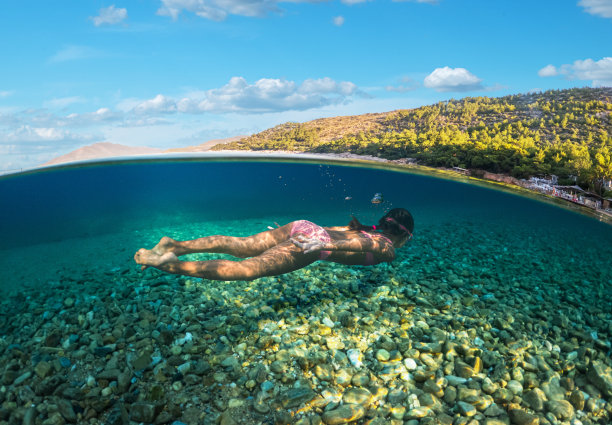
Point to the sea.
(498, 294)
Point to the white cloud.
(419, 1)
(339, 21)
(548, 71)
(63, 102)
(90, 118)
(599, 72)
(350, 2)
(144, 122)
(218, 10)
(452, 79)
(29, 134)
(19, 120)
(400, 88)
(407, 84)
(263, 96)
(601, 8)
(158, 104)
(5, 93)
(70, 53)
(327, 85)
(110, 16)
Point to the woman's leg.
(242, 247)
(284, 258)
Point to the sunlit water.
(97, 216)
(78, 227)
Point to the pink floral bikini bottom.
(312, 231)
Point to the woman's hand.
(308, 244)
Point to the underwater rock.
(142, 361)
(435, 386)
(42, 369)
(410, 364)
(515, 386)
(343, 377)
(357, 396)
(577, 399)
(463, 370)
(344, 414)
(521, 417)
(355, 357)
(22, 378)
(382, 355)
(396, 396)
(29, 417)
(295, 397)
(601, 376)
(466, 409)
(417, 412)
(324, 372)
(65, 409)
(54, 419)
(535, 399)
(493, 421)
(360, 379)
(142, 412)
(562, 409)
(259, 403)
(455, 380)
(53, 339)
(494, 410)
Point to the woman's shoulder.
(378, 236)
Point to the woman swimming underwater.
(285, 249)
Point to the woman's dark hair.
(392, 223)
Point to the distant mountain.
(101, 150)
(107, 150)
(207, 145)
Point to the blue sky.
(172, 73)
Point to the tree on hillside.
(601, 169)
(580, 160)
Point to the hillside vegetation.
(562, 132)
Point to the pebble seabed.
(443, 335)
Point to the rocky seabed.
(443, 335)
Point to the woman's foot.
(150, 258)
(165, 244)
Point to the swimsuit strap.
(400, 226)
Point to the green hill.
(562, 132)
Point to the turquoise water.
(487, 269)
